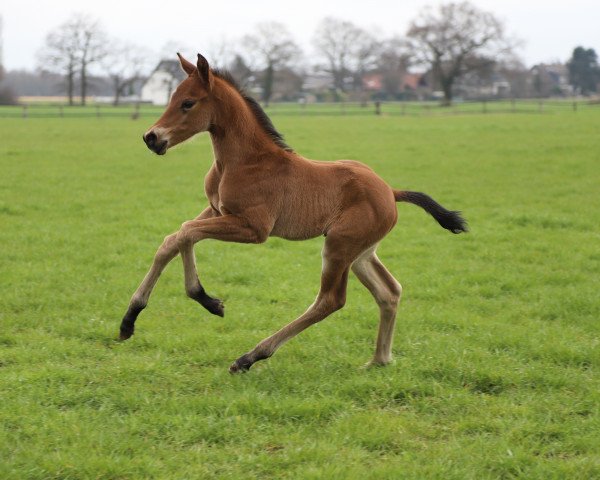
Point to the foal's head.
(189, 112)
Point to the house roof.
(172, 67)
(556, 68)
(412, 81)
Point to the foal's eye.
(187, 104)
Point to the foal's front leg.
(228, 228)
(166, 252)
(193, 287)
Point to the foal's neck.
(236, 134)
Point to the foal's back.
(318, 193)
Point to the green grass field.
(497, 346)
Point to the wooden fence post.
(25, 113)
(136, 112)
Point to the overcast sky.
(550, 29)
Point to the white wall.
(156, 89)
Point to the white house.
(162, 82)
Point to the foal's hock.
(258, 187)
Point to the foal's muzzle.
(154, 143)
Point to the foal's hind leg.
(332, 296)
(386, 291)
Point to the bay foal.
(258, 187)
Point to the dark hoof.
(126, 331)
(241, 365)
(214, 306)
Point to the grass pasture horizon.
(497, 344)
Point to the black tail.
(448, 219)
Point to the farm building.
(551, 79)
(162, 82)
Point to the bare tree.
(72, 48)
(125, 64)
(517, 75)
(60, 55)
(455, 39)
(347, 49)
(272, 48)
(222, 52)
(392, 63)
(7, 96)
(367, 49)
(92, 47)
(241, 71)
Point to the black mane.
(260, 115)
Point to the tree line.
(450, 42)
(81, 43)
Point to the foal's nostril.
(150, 139)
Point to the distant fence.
(35, 110)
(434, 108)
(333, 109)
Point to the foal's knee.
(182, 237)
(391, 299)
(169, 240)
(168, 249)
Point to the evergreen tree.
(584, 72)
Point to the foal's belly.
(292, 228)
(301, 222)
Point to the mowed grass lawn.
(497, 344)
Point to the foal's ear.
(204, 71)
(188, 67)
